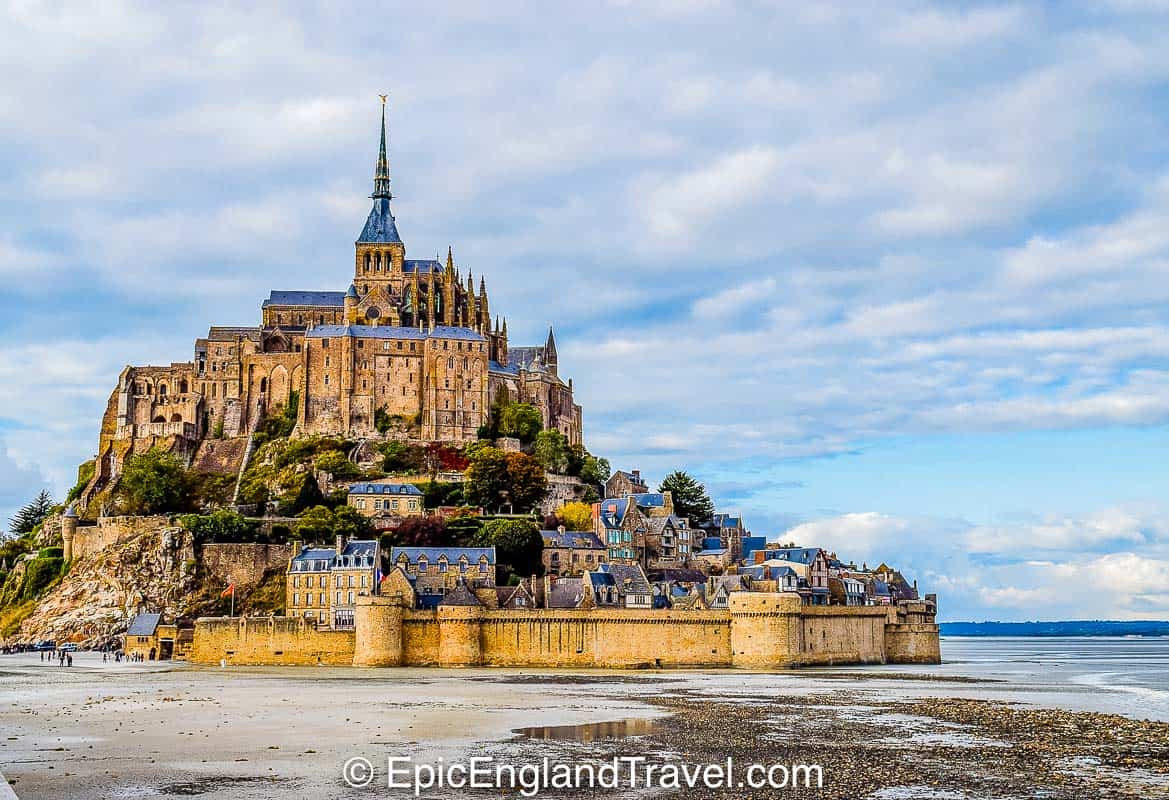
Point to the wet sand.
(148, 730)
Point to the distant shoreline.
(1079, 628)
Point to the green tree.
(496, 479)
(595, 470)
(518, 546)
(351, 523)
(316, 524)
(153, 482)
(552, 451)
(521, 421)
(309, 495)
(400, 457)
(382, 420)
(487, 481)
(526, 482)
(31, 515)
(690, 497)
(576, 516)
(336, 464)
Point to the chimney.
(636, 475)
(340, 543)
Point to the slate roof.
(678, 574)
(304, 561)
(799, 555)
(385, 488)
(727, 521)
(732, 583)
(575, 539)
(619, 574)
(421, 266)
(360, 547)
(144, 625)
(379, 225)
(225, 333)
(434, 554)
(393, 332)
(612, 518)
(297, 298)
(713, 551)
(566, 593)
(650, 499)
(460, 596)
(711, 542)
(525, 357)
(763, 572)
(506, 369)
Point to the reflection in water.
(591, 731)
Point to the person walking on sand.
(69, 659)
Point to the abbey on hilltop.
(410, 350)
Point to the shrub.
(40, 574)
(219, 526)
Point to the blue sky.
(891, 280)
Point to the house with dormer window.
(323, 584)
(436, 571)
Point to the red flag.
(230, 590)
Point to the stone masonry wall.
(760, 631)
(252, 641)
(241, 564)
(111, 530)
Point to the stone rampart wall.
(759, 631)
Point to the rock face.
(95, 601)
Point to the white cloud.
(681, 208)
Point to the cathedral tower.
(380, 252)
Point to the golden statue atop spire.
(383, 97)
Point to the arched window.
(176, 417)
(450, 362)
(159, 418)
(263, 385)
(183, 388)
(162, 390)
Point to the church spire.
(381, 178)
(550, 349)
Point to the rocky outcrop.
(94, 602)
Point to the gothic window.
(373, 313)
(450, 362)
(263, 385)
(162, 390)
(465, 362)
(183, 386)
